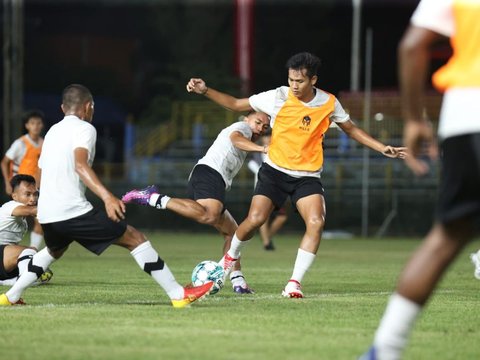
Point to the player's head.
(302, 73)
(259, 122)
(33, 122)
(78, 100)
(24, 189)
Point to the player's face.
(259, 123)
(34, 126)
(26, 193)
(301, 85)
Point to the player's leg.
(416, 284)
(149, 261)
(36, 235)
(260, 209)
(227, 226)
(312, 210)
(37, 266)
(264, 232)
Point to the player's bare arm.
(229, 102)
(5, 165)
(414, 57)
(115, 207)
(364, 138)
(25, 210)
(242, 143)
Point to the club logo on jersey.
(306, 123)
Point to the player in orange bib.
(300, 116)
(22, 158)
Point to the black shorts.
(459, 195)
(93, 230)
(206, 183)
(4, 275)
(277, 186)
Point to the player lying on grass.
(14, 258)
(210, 178)
(66, 215)
(300, 116)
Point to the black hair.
(75, 95)
(33, 113)
(18, 179)
(304, 60)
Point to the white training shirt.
(270, 102)
(62, 193)
(460, 106)
(223, 156)
(12, 228)
(17, 150)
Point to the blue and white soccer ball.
(208, 271)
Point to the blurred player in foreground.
(211, 177)
(22, 158)
(300, 115)
(459, 134)
(14, 258)
(67, 216)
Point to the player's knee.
(132, 238)
(315, 224)
(257, 218)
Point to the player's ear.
(314, 79)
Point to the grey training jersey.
(223, 156)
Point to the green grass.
(106, 308)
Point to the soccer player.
(22, 158)
(300, 115)
(67, 216)
(14, 258)
(278, 217)
(210, 178)
(459, 135)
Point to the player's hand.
(395, 152)
(418, 137)
(197, 86)
(115, 208)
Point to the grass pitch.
(106, 308)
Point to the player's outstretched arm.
(198, 86)
(366, 139)
(115, 207)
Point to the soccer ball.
(208, 271)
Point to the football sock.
(236, 247)
(392, 334)
(36, 267)
(36, 240)
(159, 201)
(23, 259)
(149, 261)
(237, 278)
(302, 264)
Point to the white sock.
(237, 278)
(41, 259)
(395, 327)
(236, 247)
(302, 264)
(149, 261)
(23, 259)
(36, 240)
(159, 202)
(8, 282)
